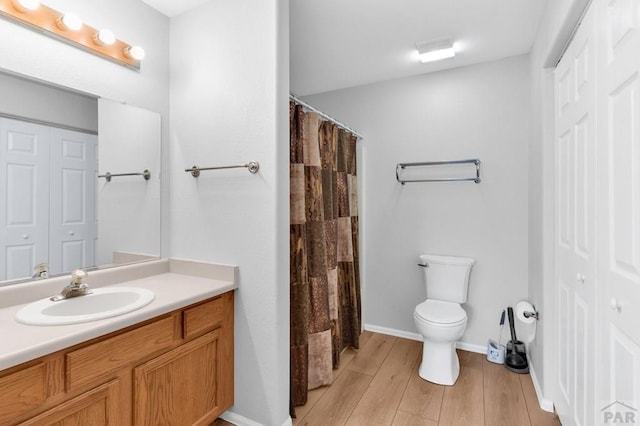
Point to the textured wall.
(229, 91)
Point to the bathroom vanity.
(170, 362)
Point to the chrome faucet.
(75, 288)
(41, 270)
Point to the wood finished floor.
(379, 385)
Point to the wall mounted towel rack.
(401, 166)
(252, 166)
(146, 175)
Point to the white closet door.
(575, 274)
(24, 202)
(73, 228)
(619, 223)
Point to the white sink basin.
(102, 303)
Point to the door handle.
(615, 304)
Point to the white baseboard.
(393, 332)
(239, 420)
(469, 347)
(545, 404)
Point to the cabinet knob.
(580, 278)
(615, 304)
(72, 233)
(25, 236)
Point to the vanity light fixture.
(25, 5)
(435, 50)
(69, 21)
(69, 28)
(104, 37)
(134, 52)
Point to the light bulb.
(437, 55)
(25, 5)
(70, 21)
(104, 37)
(134, 52)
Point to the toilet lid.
(440, 312)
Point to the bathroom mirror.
(79, 179)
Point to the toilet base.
(440, 363)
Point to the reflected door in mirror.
(47, 214)
(24, 207)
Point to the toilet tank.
(446, 277)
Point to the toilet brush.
(501, 327)
(495, 352)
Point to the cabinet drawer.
(100, 359)
(22, 391)
(204, 317)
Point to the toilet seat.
(440, 312)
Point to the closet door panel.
(624, 367)
(623, 178)
(565, 190)
(24, 204)
(584, 188)
(619, 205)
(575, 251)
(73, 229)
(565, 349)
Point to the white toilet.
(440, 319)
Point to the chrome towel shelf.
(146, 175)
(401, 166)
(252, 166)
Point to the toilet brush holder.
(495, 352)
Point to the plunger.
(514, 361)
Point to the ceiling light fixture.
(435, 50)
(69, 28)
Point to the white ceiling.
(173, 8)
(343, 43)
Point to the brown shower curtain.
(325, 281)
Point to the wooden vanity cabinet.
(176, 369)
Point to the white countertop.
(174, 288)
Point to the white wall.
(30, 99)
(479, 111)
(559, 18)
(229, 91)
(27, 52)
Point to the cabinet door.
(181, 387)
(97, 407)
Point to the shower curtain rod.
(325, 116)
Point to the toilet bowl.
(441, 325)
(440, 319)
